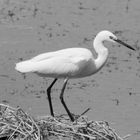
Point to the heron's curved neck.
(102, 53)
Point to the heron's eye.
(111, 37)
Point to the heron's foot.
(71, 116)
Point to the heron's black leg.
(49, 96)
(63, 102)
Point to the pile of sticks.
(15, 124)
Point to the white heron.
(69, 63)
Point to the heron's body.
(70, 63)
(66, 63)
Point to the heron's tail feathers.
(25, 66)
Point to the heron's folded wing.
(43, 56)
(60, 66)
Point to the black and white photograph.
(69, 70)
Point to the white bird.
(70, 63)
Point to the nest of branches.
(15, 124)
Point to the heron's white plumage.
(25, 66)
(71, 62)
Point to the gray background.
(30, 27)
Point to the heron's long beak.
(121, 42)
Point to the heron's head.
(108, 36)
